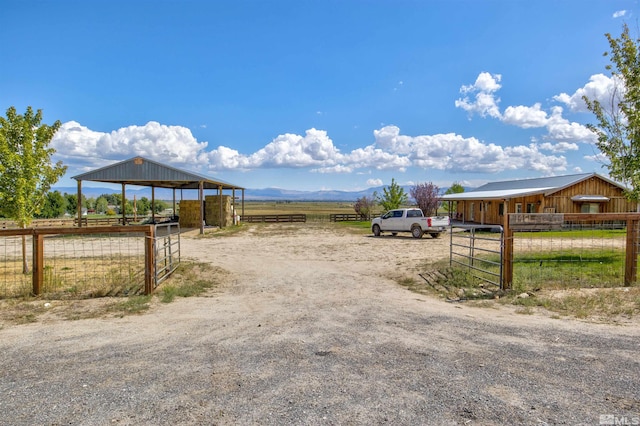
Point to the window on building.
(590, 208)
(531, 208)
(501, 209)
(518, 207)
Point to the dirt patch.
(309, 327)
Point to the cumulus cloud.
(314, 149)
(525, 117)
(559, 129)
(374, 182)
(74, 142)
(480, 96)
(619, 13)
(600, 88)
(562, 130)
(459, 154)
(390, 150)
(559, 147)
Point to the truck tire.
(416, 231)
(435, 235)
(376, 230)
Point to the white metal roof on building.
(496, 194)
(523, 187)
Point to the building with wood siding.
(581, 193)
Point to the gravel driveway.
(311, 329)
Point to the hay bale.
(212, 210)
(189, 214)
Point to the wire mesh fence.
(542, 251)
(74, 265)
(577, 254)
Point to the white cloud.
(559, 147)
(337, 169)
(484, 103)
(619, 13)
(600, 88)
(374, 182)
(459, 154)
(562, 130)
(525, 117)
(559, 129)
(156, 141)
(598, 158)
(314, 150)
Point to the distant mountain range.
(265, 194)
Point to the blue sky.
(312, 95)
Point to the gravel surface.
(311, 329)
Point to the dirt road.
(311, 329)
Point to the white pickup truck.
(409, 220)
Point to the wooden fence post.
(507, 251)
(38, 263)
(631, 256)
(149, 256)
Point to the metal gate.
(167, 251)
(479, 248)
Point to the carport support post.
(124, 208)
(153, 204)
(79, 204)
(507, 250)
(201, 199)
(220, 198)
(631, 256)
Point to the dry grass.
(604, 304)
(67, 277)
(190, 279)
(306, 207)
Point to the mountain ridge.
(257, 194)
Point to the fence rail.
(347, 217)
(69, 222)
(274, 218)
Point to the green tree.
(54, 206)
(618, 128)
(393, 196)
(143, 206)
(91, 203)
(112, 198)
(455, 188)
(26, 171)
(160, 206)
(72, 203)
(101, 205)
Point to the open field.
(307, 325)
